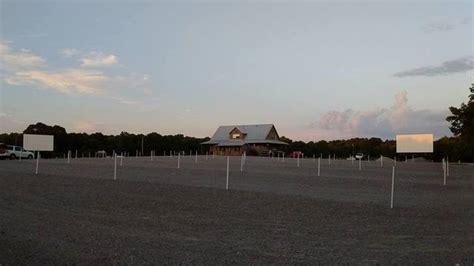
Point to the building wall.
(234, 151)
(231, 151)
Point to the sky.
(317, 70)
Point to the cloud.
(462, 64)
(382, 122)
(126, 101)
(33, 35)
(91, 59)
(11, 60)
(23, 68)
(438, 26)
(83, 126)
(9, 123)
(71, 81)
(96, 59)
(444, 26)
(69, 52)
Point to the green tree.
(462, 126)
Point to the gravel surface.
(274, 212)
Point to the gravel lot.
(273, 213)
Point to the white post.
(381, 161)
(121, 159)
(37, 161)
(68, 157)
(393, 185)
(319, 166)
(329, 158)
(283, 158)
(115, 166)
(179, 159)
(196, 158)
(360, 164)
(76, 155)
(298, 161)
(227, 175)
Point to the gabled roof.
(254, 134)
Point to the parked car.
(359, 156)
(3, 151)
(296, 154)
(14, 152)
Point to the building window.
(236, 136)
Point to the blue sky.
(317, 70)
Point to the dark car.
(3, 151)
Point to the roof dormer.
(236, 134)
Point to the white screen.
(414, 143)
(38, 142)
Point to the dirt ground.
(273, 212)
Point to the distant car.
(359, 156)
(14, 152)
(3, 151)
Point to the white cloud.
(382, 122)
(69, 52)
(126, 101)
(23, 68)
(446, 25)
(438, 26)
(71, 81)
(82, 126)
(11, 60)
(9, 123)
(96, 59)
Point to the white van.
(14, 152)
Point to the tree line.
(133, 144)
(458, 147)
(88, 144)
